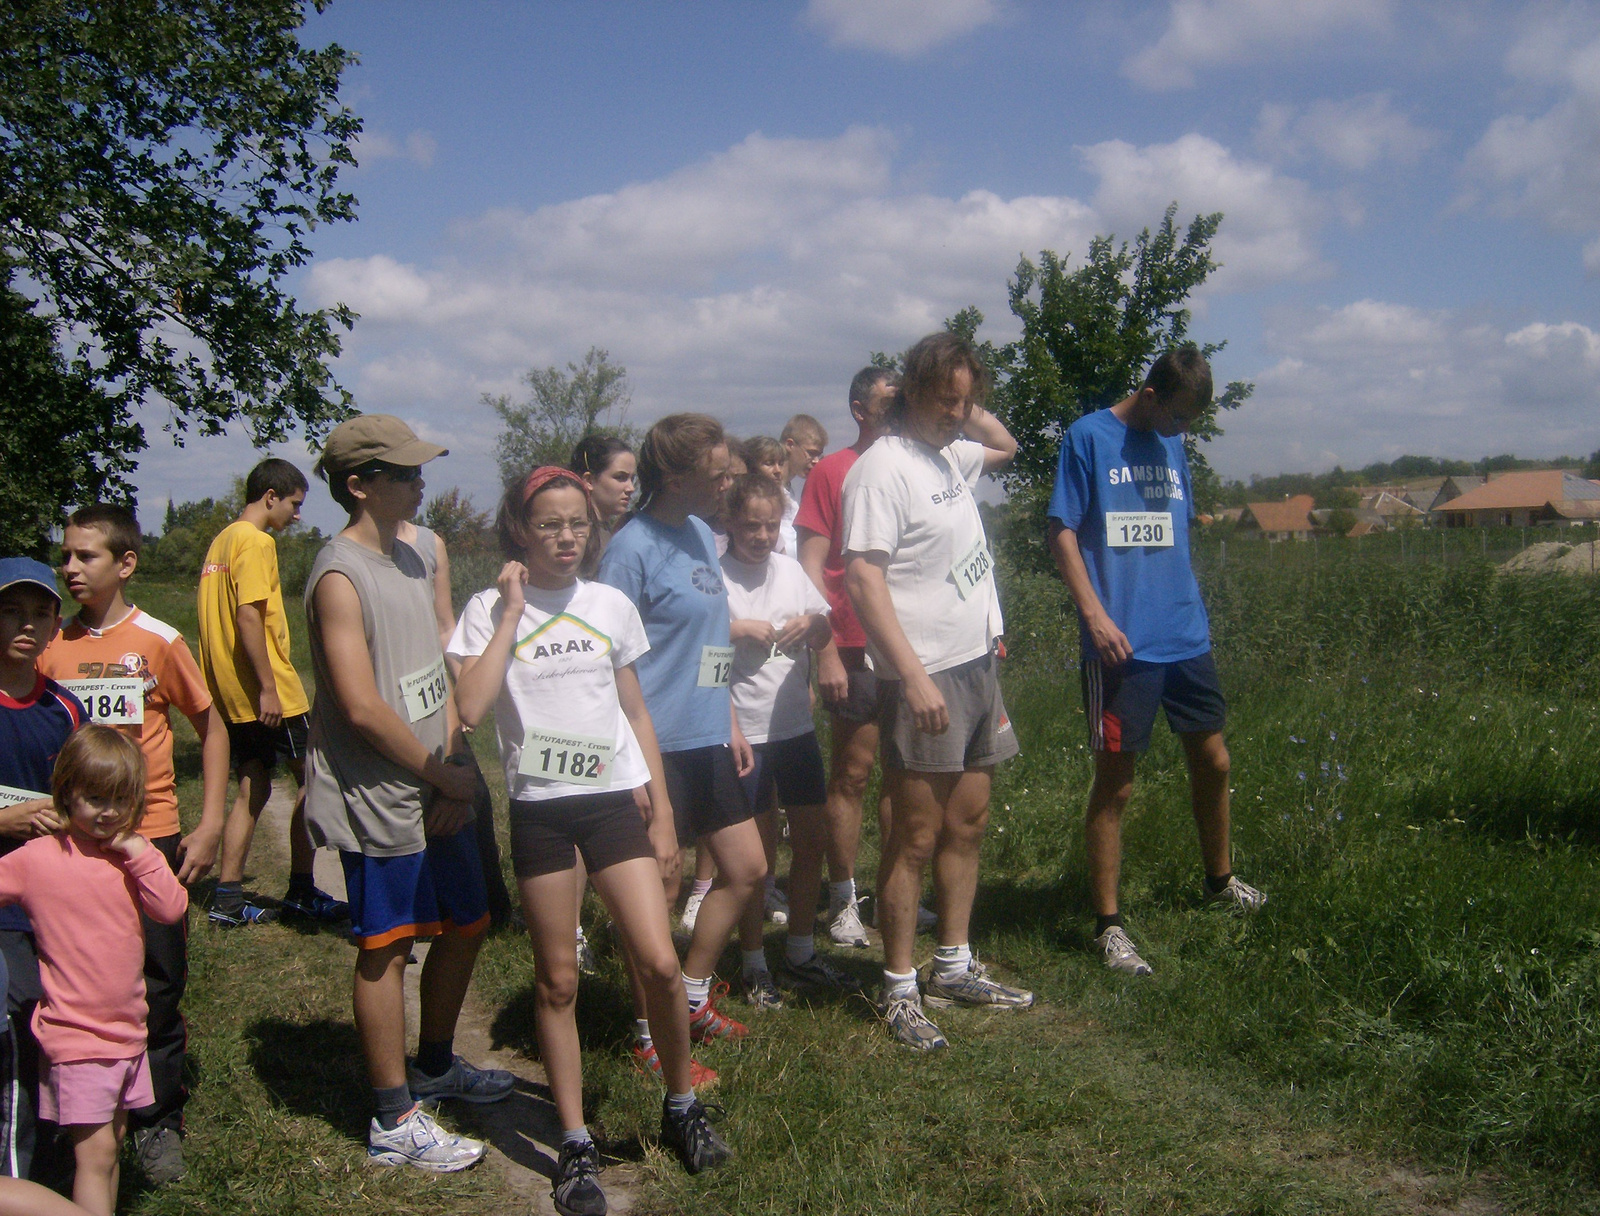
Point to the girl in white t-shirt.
(554, 658)
(778, 617)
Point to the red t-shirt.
(819, 513)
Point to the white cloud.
(1547, 165)
(1216, 33)
(900, 27)
(1354, 134)
(1374, 380)
(418, 147)
(1269, 221)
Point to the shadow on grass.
(1058, 910)
(314, 1068)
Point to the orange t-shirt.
(100, 665)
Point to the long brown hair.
(676, 444)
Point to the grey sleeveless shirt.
(357, 799)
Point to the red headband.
(544, 475)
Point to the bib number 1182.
(574, 759)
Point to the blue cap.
(15, 570)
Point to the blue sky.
(740, 201)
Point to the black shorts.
(546, 836)
(252, 741)
(1121, 702)
(794, 766)
(861, 703)
(703, 783)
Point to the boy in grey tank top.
(389, 784)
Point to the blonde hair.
(97, 762)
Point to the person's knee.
(556, 984)
(850, 776)
(1212, 760)
(661, 972)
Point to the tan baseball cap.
(368, 437)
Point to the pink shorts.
(92, 1091)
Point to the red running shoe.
(708, 1022)
(700, 1076)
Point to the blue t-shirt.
(673, 576)
(1149, 590)
(32, 731)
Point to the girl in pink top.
(83, 889)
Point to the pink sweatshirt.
(84, 903)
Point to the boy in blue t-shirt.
(1120, 515)
(36, 716)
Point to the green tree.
(563, 407)
(162, 163)
(44, 463)
(1089, 334)
(457, 522)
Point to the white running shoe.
(845, 927)
(587, 963)
(777, 907)
(927, 922)
(1236, 897)
(1117, 949)
(691, 909)
(417, 1140)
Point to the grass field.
(1408, 1025)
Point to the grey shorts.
(862, 703)
(980, 733)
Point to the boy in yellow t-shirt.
(244, 654)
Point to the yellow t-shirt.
(241, 567)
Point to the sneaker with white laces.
(587, 964)
(974, 987)
(417, 1140)
(816, 972)
(1117, 949)
(691, 909)
(1236, 897)
(845, 927)
(760, 993)
(908, 1025)
(691, 1136)
(777, 907)
(574, 1191)
(462, 1081)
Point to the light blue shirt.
(674, 578)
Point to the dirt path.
(522, 1131)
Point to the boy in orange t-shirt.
(130, 670)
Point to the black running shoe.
(692, 1137)
(576, 1193)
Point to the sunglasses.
(402, 473)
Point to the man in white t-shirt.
(921, 579)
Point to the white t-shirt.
(916, 504)
(787, 541)
(771, 692)
(561, 680)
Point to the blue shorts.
(439, 890)
(1121, 702)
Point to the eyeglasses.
(551, 529)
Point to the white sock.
(641, 1031)
(952, 962)
(899, 985)
(701, 886)
(841, 893)
(575, 1136)
(698, 991)
(798, 949)
(755, 962)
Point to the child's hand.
(129, 844)
(748, 630)
(513, 575)
(793, 633)
(23, 820)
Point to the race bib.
(575, 759)
(118, 701)
(424, 691)
(716, 665)
(972, 568)
(10, 795)
(1139, 529)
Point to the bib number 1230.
(1139, 529)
